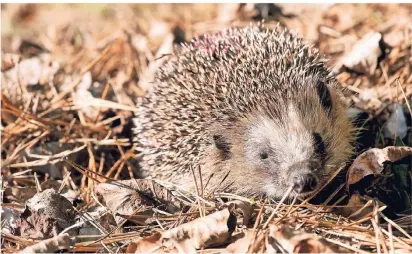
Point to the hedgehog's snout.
(306, 182)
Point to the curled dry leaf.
(280, 239)
(149, 244)
(203, 232)
(135, 196)
(51, 245)
(358, 206)
(371, 162)
(210, 230)
(46, 214)
(9, 218)
(363, 57)
(104, 222)
(296, 241)
(243, 210)
(242, 242)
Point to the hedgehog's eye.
(263, 155)
(319, 144)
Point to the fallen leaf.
(59, 242)
(243, 211)
(242, 242)
(97, 215)
(371, 162)
(46, 214)
(9, 219)
(203, 232)
(161, 57)
(148, 244)
(363, 57)
(137, 196)
(297, 241)
(355, 203)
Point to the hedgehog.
(250, 111)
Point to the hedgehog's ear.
(221, 143)
(325, 96)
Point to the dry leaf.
(51, 245)
(243, 211)
(149, 244)
(371, 162)
(203, 232)
(213, 229)
(297, 242)
(128, 196)
(9, 219)
(242, 242)
(355, 203)
(363, 57)
(96, 215)
(46, 214)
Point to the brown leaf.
(59, 242)
(147, 245)
(296, 241)
(128, 196)
(203, 232)
(46, 214)
(244, 242)
(354, 209)
(243, 211)
(355, 203)
(371, 162)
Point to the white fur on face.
(290, 143)
(288, 138)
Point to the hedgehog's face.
(297, 148)
(284, 156)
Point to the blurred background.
(71, 74)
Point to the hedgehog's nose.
(305, 183)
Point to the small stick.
(277, 207)
(404, 95)
(197, 192)
(390, 238)
(378, 246)
(345, 246)
(394, 224)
